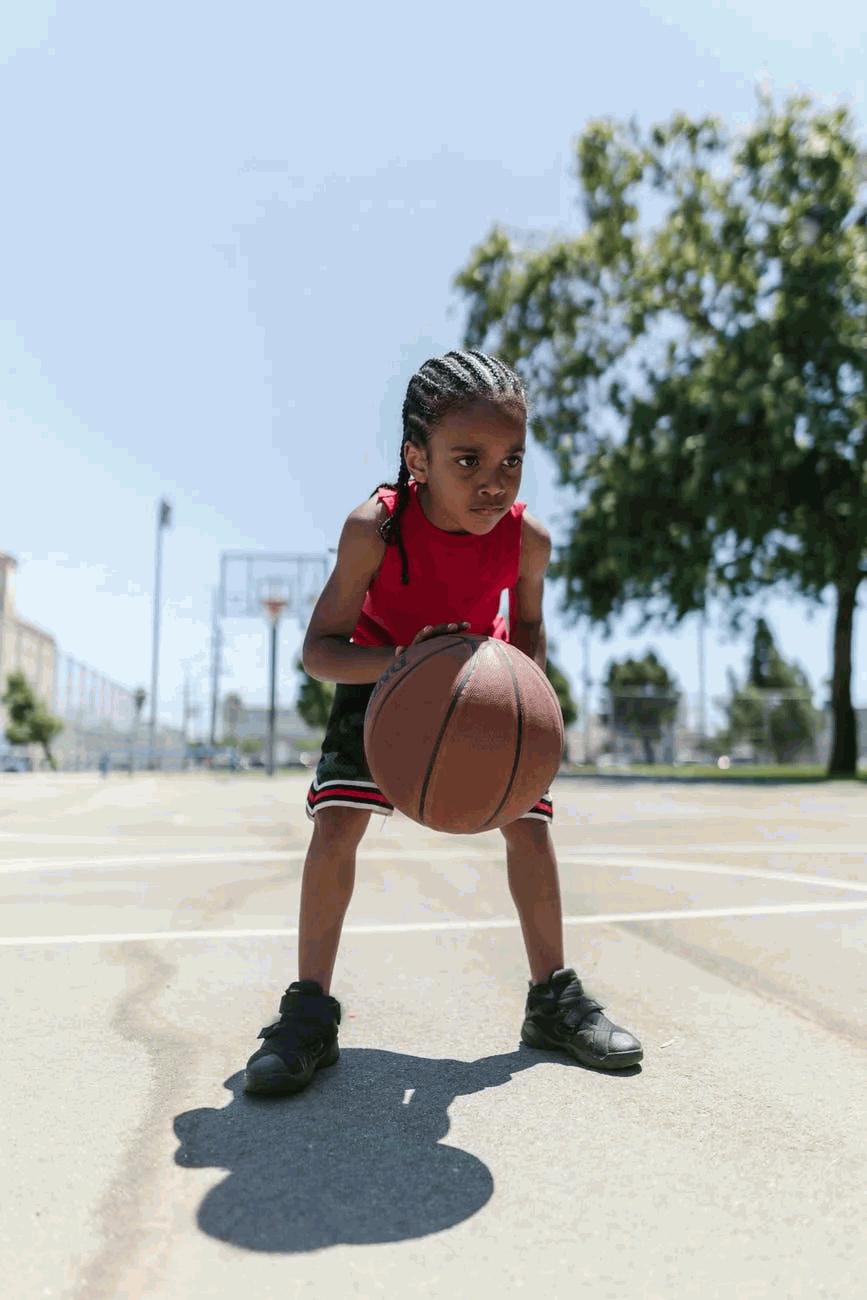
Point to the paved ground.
(147, 932)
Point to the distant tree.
(232, 708)
(251, 745)
(30, 722)
(643, 697)
(139, 696)
(314, 699)
(783, 724)
(568, 707)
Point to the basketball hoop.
(273, 599)
(273, 607)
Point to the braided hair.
(442, 386)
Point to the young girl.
(429, 555)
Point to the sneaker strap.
(575, 1010)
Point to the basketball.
(463, 733)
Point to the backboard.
(244, 576)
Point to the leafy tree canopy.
(698, 374)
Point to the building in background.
(98, 714)
(24, 647)
(27, 649)
(292, 736)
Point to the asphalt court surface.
(147, 930)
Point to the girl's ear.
(415, 459)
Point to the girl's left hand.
(440, 629)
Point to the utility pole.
(186, 717)
(164, 518)
(702, 719)
(216, 650)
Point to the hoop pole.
(272, 701)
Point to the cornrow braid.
(389, 529)
(440, 387)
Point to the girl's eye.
(513, 462)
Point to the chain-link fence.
(774, 725)
(641, 725)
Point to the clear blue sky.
(229, 236)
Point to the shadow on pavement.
(355, 1158)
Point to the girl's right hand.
(440, 629)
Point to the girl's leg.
(326, 888)
(535, 887)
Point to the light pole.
(164, 518)
(273, 603)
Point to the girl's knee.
(528, 833)
(340, 827)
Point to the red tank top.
(453, 577)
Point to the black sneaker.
(301, 1042)
(561, 1016)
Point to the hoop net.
(273, 607)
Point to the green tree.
(251, 745)
(568, 707)
(772, 711)
(643, 697)
(30, 722)
(314, 699)
(232, 708)
(699, 375)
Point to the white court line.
(748, 846)
(714, 869)
(587, 857)
(437, 927)
(165, 857)
(12, 866)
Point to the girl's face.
(470, 473)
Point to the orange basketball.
(463, 733)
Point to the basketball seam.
(452, 705)
(519, 721)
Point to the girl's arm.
(526, 624)
(328, 653)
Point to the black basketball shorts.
(343, 779)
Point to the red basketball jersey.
(453, 577)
